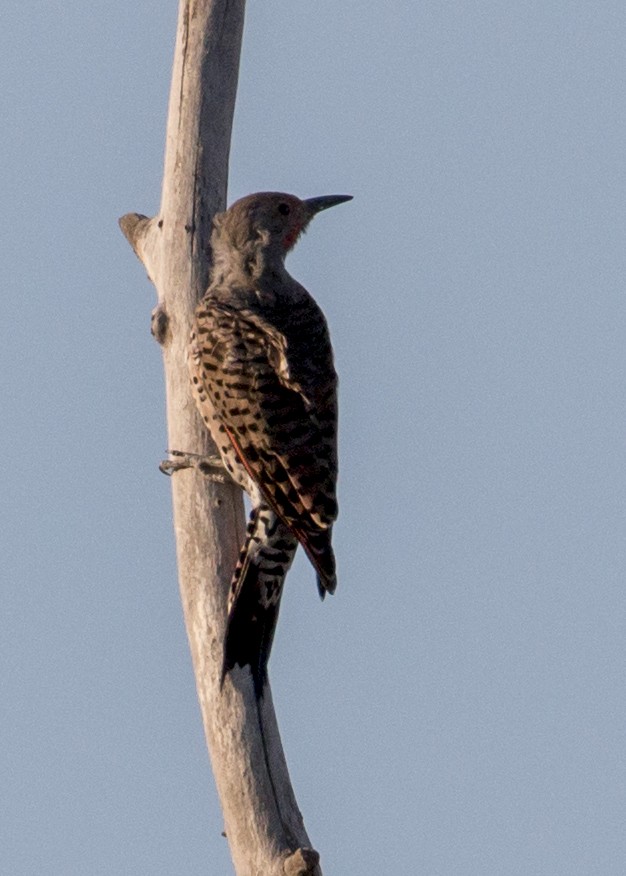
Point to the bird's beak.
(315, 205)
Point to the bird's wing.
(279, 410)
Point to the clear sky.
(458, 708)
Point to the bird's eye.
(285, 209)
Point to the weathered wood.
(262, 820)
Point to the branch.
(262, 820)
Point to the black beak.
(315, 205)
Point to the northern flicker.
(261, 364)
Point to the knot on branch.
(159, 323)
(301, 863)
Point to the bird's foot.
(211, 467)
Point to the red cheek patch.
(290, 238)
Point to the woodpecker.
(261, 366)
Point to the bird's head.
(269, 221)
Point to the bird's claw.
(210, 466)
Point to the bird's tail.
(255, 593)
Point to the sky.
(457, 708)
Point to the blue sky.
(457, 709)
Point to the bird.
(262, 371)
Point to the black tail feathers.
(257, 587)
(250, 629)
(255, 594)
